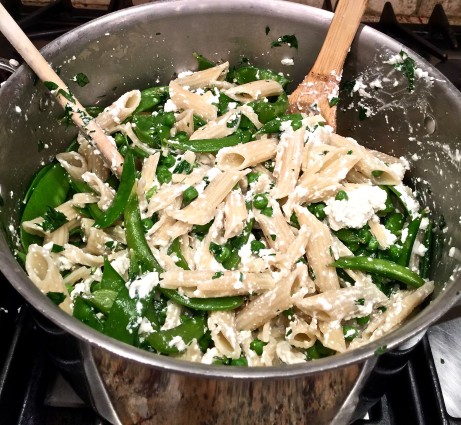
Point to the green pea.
(318, 210)
(373, 244)
(268, 212)
(147, 223)
(168, 161)
(163, 174)
(260, 201)
(257, 346)
(252, 177)
(189, 195)
(256, 246)
(341, 196)
(242, 361)
(220, 252)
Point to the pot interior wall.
(145, 46)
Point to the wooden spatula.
(45, 72)
(321, 85)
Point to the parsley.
(362, 113)
(151, 192)
(110, 244)
(217, 275)
(380, 350)
(56, 297)
(348, 86)
(333, 101)
(290, 40)
(407, 66)
(53, 220)
(382, 309)
(349, 152)
(67, 95)
(57, 248)
(40, 145)
(81, 79)
(289, 314)
(268, 30)
(50, 85)
(67, 117)
(360, 301)
(311, 273)
(273, 237)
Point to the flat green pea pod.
(135, 236)
(102, 300)
(247, 74)
(153, 130)
(211, 145)
(111, 280)
(162, 341)
(151, 97)
(94, 111)
(205, 304)
(175, 248)
(48, 189)
(117, 206)
(82, 187)
(380, 267)
(86, 314)
(400, 198)
(202, 62)
(267, 111)
(274, 126)
(407, 247)
(428, 242)
(233, 261)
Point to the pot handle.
(10, 65)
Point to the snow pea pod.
(428, 241)
(82, 187)
(102, 300)
(380, 267)
(153, 130)
(175, 248)
(407, 246)
(48, 189)
(115, 209)
(86, 314)
(247, 74)
(211, 145)
(394, 223)
(110, 278)
(267, 111)
(135, 237)
(202, 61)
(163, 341)
(205, 304)
(274, 126)
(151, 97)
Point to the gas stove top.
(422, 385)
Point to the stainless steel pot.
(138, 47)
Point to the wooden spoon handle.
(339, 38)
(45, 72)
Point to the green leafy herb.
(333, 101)
(268, 30)
(57, 248)
(407, 66)
(360, 301)
(53, 220)
(362, 113)
(290, 40)
(81, 79)
(347, 86)
(67, 95)
(273, 237)
(217, 275)
(50, 85)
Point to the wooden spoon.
(321, 84)
(92, 131)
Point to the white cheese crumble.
(287, 62)
(143, 286)
(361, 205)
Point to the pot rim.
(19, 279)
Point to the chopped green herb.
(50, 85)
(268, 212)
(349, 152)
(407, 66)
(348, 86)
(57, 248)
(311, 272)
(273, 237)
(256, 246)
(81, 79)
(217, 275)
(360, 301)
(257, 346)
(362, 113)
(290, 40)
(267, 30)
(53, 220)
(333, 101)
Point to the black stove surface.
(32, 391)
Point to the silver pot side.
(145, 395)
(141, 46)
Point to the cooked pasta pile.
(238, 234)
